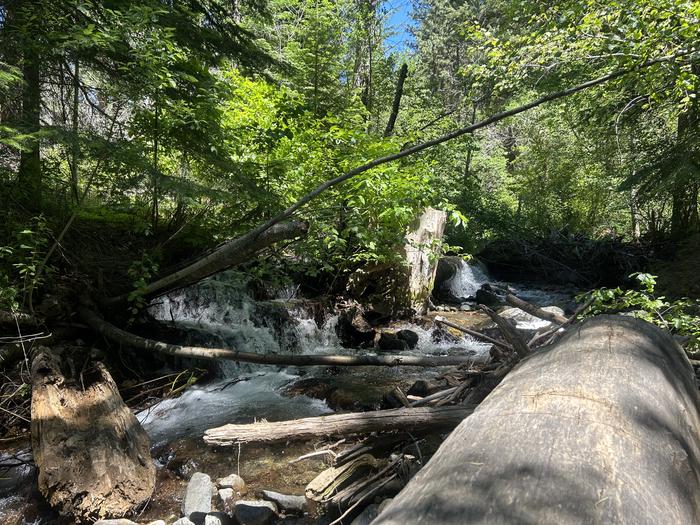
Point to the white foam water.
(468, 278)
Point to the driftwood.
(338, 425)
(535, 310)
(601, 427)
(237, 251)
(509, 332)
(93, 456)
(123, 337)
(476, 335)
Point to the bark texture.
(421, 259)
(600, 428)
(93, 456)
(338, 425)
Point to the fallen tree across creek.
(601, 427)
(446, 417)
(123, 337)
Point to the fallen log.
(535, 310)
(477, 335)
(509, 332)
(234, 252)
(338, 425)
(92, 454)
(123, 337)
(601, 427)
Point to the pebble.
(255, 512)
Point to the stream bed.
(220, 313)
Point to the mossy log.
(92, 454)
(602, 427)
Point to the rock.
(183, 521)
(120, 521)
(186, 469)
(234, 482)
(466, 307)
(197, 501)
(255, 512)
(218, 518)
(157, 522)
(440, 335)
(288, 504)
(367, 516)
(226, 494)
(353, 330)
(525, 321)
(389, 342)
(409, 336)
(491, 296)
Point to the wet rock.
(183, 521)
(491, 296)
(409, 336)
(353, 330)
(287, 503)
(440, 335)
(234, 482)
(255, 512)
(367, 516)
(197, 501)
(466, 307)
(391, 343)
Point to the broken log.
(92, 454)
(510, 333)
(535, 310)
(601, 427)
(128, 339)
(338, 425)
(234, 252)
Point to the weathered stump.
(421, 256)
(602, 427)
(92, 454)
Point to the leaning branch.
(535, 310)
(123, 337)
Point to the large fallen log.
(93, 456)
(123, 337)
(338, 425)
(601, 427)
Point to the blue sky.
(399, 22)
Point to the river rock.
(226, 494)
(255, 512)
(234, 482)
(353, 330)
(287, 503)
(197, 502)
(409, 336)
(218, 518)
(183, 521)
(389, 342)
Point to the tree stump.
(92, 454)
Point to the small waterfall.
(467, 279)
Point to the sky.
(399, 22)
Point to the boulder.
(353, 330)
(389, 342)
(218, 518)
(183, 521)
(409, 336)
(255, 512)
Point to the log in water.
(599, 428)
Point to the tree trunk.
(30, 179)
(237, 251)
(93, 456)
(338, 425)
(397, 101)
(421, 257)
(600, 428)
